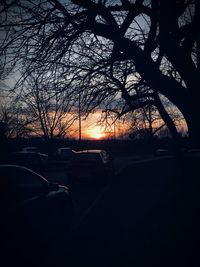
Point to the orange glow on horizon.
(95, 133)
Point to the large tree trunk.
(170, 124)
(185, 98)
(192, 117)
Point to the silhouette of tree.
(146, 122)
(50, 107)
(161, 38)
(16, 120)
(37, 107)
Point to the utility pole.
(114, 129)
(79, 115)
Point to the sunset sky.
(93, 128)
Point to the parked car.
(90, 165)
(36, 217)
(32, 160)
(24, 184)
(64, 153)
(30, 149)
(60, 159)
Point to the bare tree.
(147, 122)
(17, 122)
(50, 108)
(157, 36)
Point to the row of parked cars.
(37, 215)
(78, 165)
(20, 181)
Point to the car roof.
(62, 148)
(30, 148)
(91, 151)
(28, 153)
(24, 152)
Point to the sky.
(94, 129)
(90, 128)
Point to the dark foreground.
(147, 216)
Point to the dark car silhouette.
(30, 149)
(36, 217)
(64, 153)
(33, 160)
(90, 165)
(60, 158)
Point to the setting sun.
(96, 133)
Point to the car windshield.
(65, 151)
(87, 157)
(31, 149)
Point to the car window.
(22, 183)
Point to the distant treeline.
(113, 146)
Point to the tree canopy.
(103, 50)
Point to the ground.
(146, 216)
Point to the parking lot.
(111, 221)
(85, 195)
